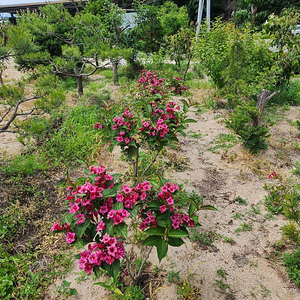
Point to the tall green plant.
(237, 60)
(241, 122)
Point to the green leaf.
(154, 204)
(195, 218)
(185, 108)
(96, 271)
(108, 193)
(134, 211)
(109, 229)
(80, 229)
(116, 176)
(155, 231)
(78, 243)
(162, 249)
(182, 133)
(192, 209)
(103, 284)
(177, 233)
(208, 207)
(79, 196)
(175, 242)
(162, 223)
(190, 121)
(118, 205)
(152, 240)
(121, 230)
(113, 269)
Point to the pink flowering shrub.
(151, 123)
(149, 84)
(98, 210)
(99, 207)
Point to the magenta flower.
(74, 208)
(101, 226)
(56, 226)
(80, 218)
(70, 238)
(162, 208)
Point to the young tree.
(78, 45)
(285, 44)
(149, 30)
(43, 99)
(113, 44)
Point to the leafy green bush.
(238, 61)
(292, 263)
(289, 94)
(75, 138)
(241, 120)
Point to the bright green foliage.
(180, 47)
(72, 136)
(292, 263)
(273, 201)
(149, 31)
(132, 292)
(287, 54)
(172, 18)
(241, 120)
(237, 60)
(257, 11)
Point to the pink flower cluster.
(181, 219)
(166, 195)
(70, 237)
(163, 116)
(150, 82)
(107, 251)
(149, 221)
(124, 125)
(129, 196)
(81, 204)
(176, 86)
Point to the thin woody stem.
(145, 259)
(151, 163)
(129, 267)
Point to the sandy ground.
(252, 270)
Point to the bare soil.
(252, 262)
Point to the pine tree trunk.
(79, 86)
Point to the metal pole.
(199, 18)
(208, 14)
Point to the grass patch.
(223, 141)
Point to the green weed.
(223, 141)
(244, 227)
(292, 264)
(240, 200)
